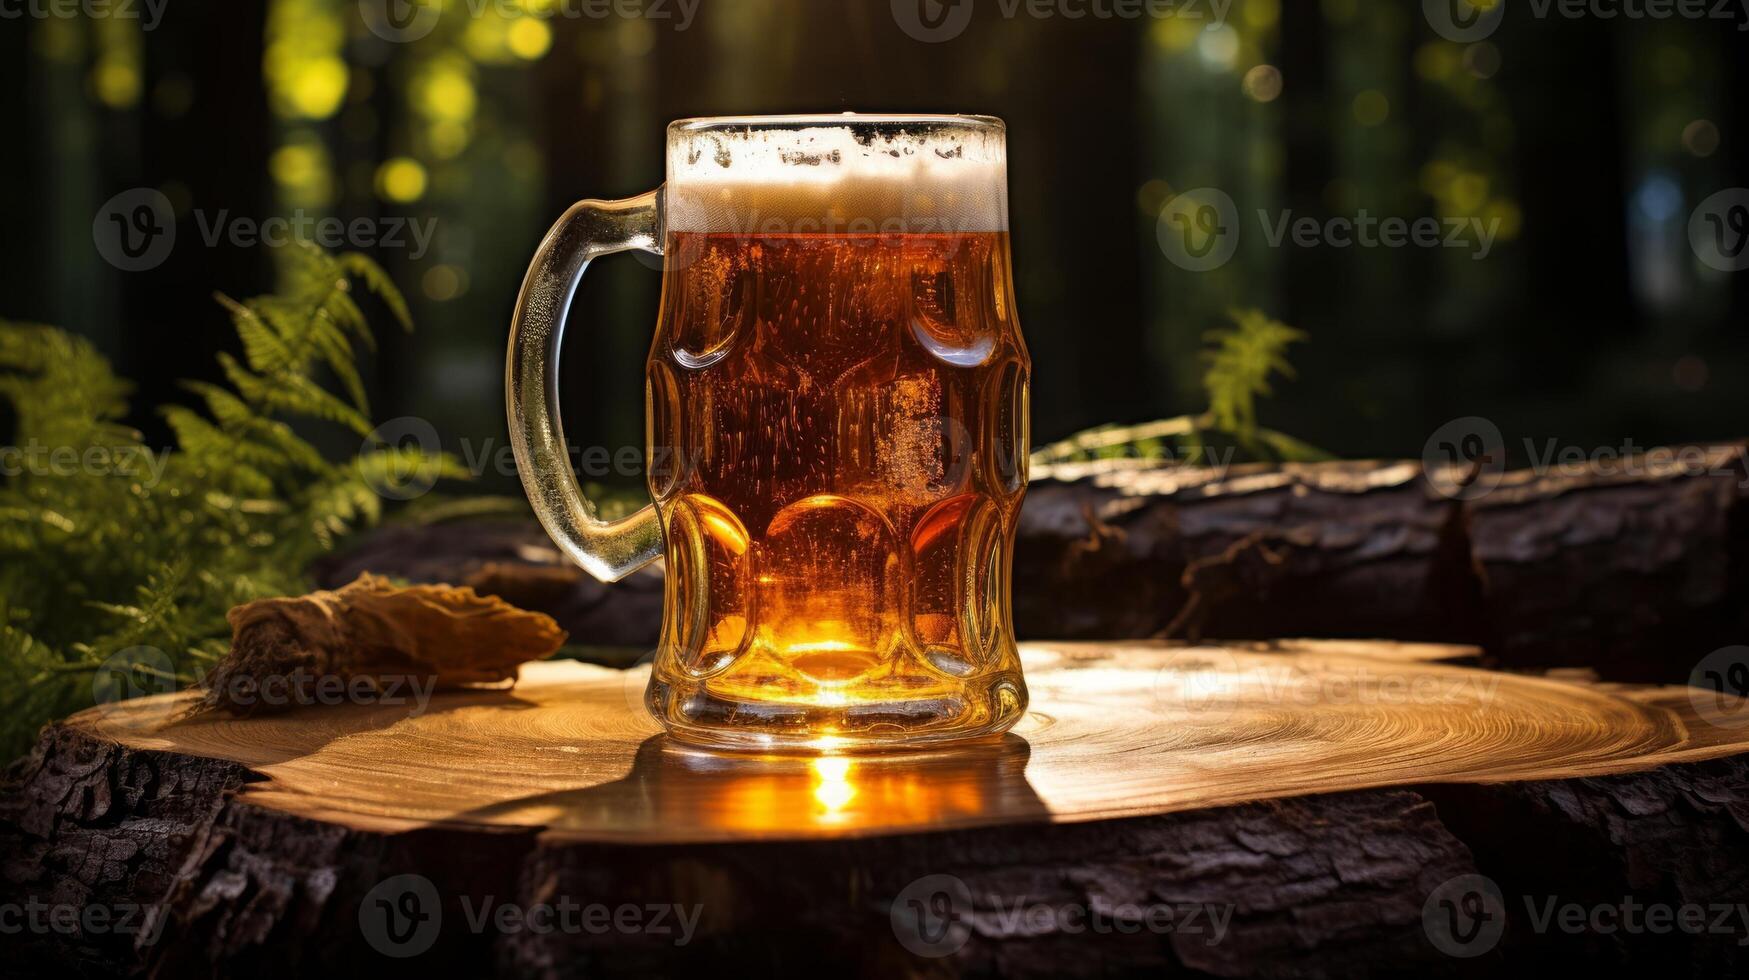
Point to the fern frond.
(1241, 360)
(138, 562)
(291, 394)
(62, 390)
(360, 267)
(238, 419)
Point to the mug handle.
(608, 550)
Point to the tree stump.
(1291, 808)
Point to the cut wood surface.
(1319, 792)
(1114, 731)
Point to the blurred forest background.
(1589, 141)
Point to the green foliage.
(108, 546)
(1242, 360)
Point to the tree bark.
(1293, 809)
(1631, 568)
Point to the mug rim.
(838, 120)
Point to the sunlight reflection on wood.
(1116, 730)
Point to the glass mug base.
(869, 719)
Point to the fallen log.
(1294, 808)
(1637, 569)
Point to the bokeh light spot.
(443, 282)
(1263, 83)
(1700, 137)
(1371, 108)
(401, 179)
(529, 38)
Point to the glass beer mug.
(836, 402)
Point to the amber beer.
(848, 417)
(837, 412)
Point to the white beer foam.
(840, 174)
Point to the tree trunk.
(1251, 809)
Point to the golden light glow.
(304, 65)
(833, 788)
(117, 85)
(820, 646)
(115, 78)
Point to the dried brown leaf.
(372, 634)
